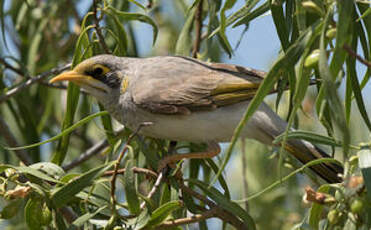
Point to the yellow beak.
(71, 76)
(83, 80)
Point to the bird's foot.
(212, 150)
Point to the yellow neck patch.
(124, 84)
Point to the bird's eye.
(97, 71)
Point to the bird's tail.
(271, 125)
(306, 152)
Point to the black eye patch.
(109, 78)
(97, 71)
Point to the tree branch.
(145, 171)
(356, 56)
(12, 68)
(95, 149)
(188, 220)
(31, 81)
(97, 28)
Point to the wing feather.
(180, 85)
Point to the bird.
(186, 99)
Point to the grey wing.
(180, 85)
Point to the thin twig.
(95, 149)
(355, 55)
(145, 171)
(12, 142)
(98, 29)
(31, 81)
(155, 186)
(118, 161)
(160, 177)
(12, 68)
(198, 28)
(188, 220)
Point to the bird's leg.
(212, 150)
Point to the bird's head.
(100, 75)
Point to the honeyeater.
(185, 99)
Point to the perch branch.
(31, 81)
(188, 220)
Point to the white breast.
(216, 125)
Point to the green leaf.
(121, 34)
(249, 16)
(184, 42)
(79, 222)
(66, 131)
(131, 188)
(73, 92)
(33, 214)
(226, 203)
(107, 124)
(139, 17)
(308, 136)
(307, 165)
(343, 34)
(355, 87)
(330, 89)
(160, 214)
(223, 25)
(30, 171)
(62, 195)
(49, 168)
(35, 43)
(11, 209)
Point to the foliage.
(319, 40)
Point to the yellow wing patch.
(124, 84)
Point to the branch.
(356, 56)
(97, 28)
(155, 187)
(188, 220)
(12, 142)
(31, 81)
(198, 22)
(95, 149)
(160, 177)
(145, 171)
(12, 68)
